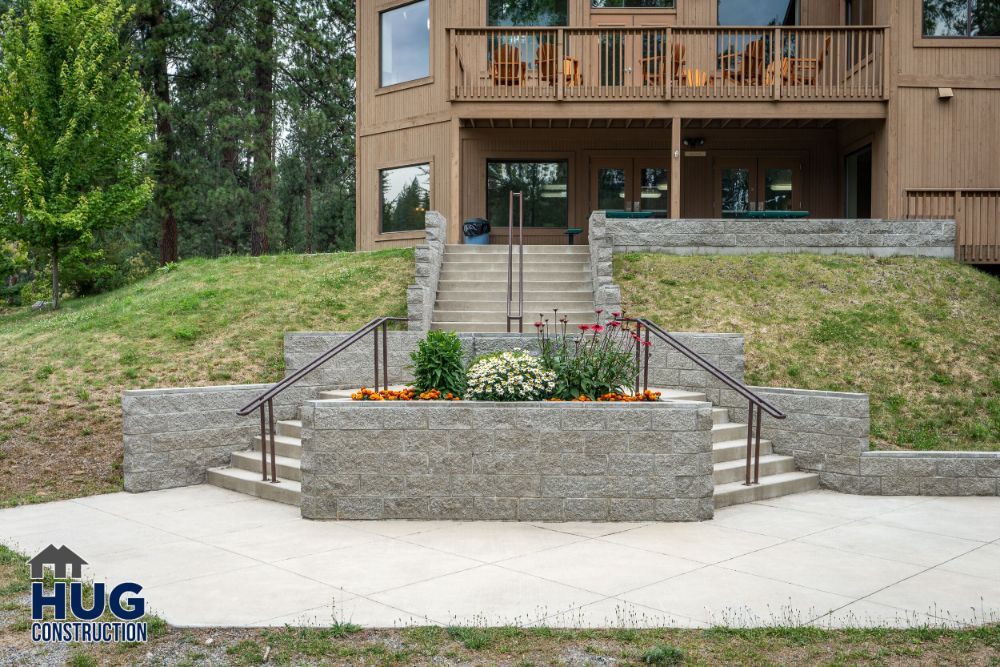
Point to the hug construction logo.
(90, 621)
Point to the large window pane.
(758, 12)
(545, 186)
(961, 18)
(659, 4)
(528, 12)
(406, 196)
(985, 18)
(406, 43)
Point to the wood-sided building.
(686, 108)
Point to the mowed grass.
(921, 336)
(201, 322)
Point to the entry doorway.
(858, 184)
(745, 184)
(630, 184)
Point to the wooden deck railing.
(976, 213)
(730, 64)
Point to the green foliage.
(474, 639)
(591, 363)
(438, 363)
(662, 654)
(77, 125)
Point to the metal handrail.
(755, 400)
(266, 400)
(510, 261)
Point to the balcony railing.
(643, 64)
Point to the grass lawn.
(342, 643)
(921, 336)
(202, 322)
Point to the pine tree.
(75, 119)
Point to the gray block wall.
(827, 433)
(172, 436)
(428, 256)
(879, 238)
(607, 294)
(507, 461)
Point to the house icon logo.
(63, 611)
(61, 560)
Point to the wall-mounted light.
(945, 93)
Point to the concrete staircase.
(472, 290)
(778, 476)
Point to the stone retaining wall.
(827, 433)
(172, 436)
(428, 256)
(879, 238)
(507, 461)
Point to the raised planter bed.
(535, 461)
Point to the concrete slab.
(207, 556)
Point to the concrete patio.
(211, 557)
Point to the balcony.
(648, 64)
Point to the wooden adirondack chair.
(506, 66)
(805, 71)
(655, 68)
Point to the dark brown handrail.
(266, 400)
(755, 401)
(510, 261)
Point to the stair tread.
(284, 439)
(766, 480)
(278, 460)
(739, 463)
(251, 476)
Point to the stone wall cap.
(929, 455)
(199, 390)
(810, 392)
(569, 405)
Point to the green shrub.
(662, 654)
(438, 364)
(598, 360)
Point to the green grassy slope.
(204, 322)
(921, 336)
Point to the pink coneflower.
(615, 324)
(647, 344)
(597, 328)
(539, 325)
(616, 314)
(598, 310)
(584, 327)
(636, 338)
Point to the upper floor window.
(406, 43)
(638, 4)
(961, 18)
(406, 196)
(758, 12)
(528, 12)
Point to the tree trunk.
(55, 275)
(166, 167)
(263, 146)
(309, 206)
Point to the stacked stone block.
(428, 256)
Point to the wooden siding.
(976, 214)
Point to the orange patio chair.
(805, 71)
(654, 68)
(506, 66)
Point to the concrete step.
(533, 307)
(283, 446)
(679, 395)
(285, 466)
(528, 249)
(728, 431)
(530, 285)
(530, 275)
(290, 427)
(720, 415)
(736, 450)
(285, 491)
(500, 315)
(735, 471)
(539, 299)
(562, 259)
(771, 486)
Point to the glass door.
(653, 183)
(736, 179)
(753, 185)
(612, 185)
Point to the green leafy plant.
(662, 654)
(509, 376)
(438, 364)
(598, 360)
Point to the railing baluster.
(385, 355)
(263, 446)
(375, 341)
(645, 365)
(756, 456)
(270, 417)
(749, 441)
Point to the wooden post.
(675, 168)
(560, 64)
(454, 231)
(776, 63)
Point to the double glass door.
(631, 184)
(757, 184)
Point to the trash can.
(476, 231)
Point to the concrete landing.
(211, 557)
